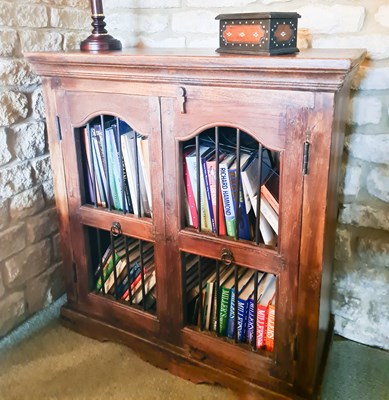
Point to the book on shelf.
(271, 313)
(227, 197)
(204, 209)
(212, 172)
(263, 308)
(243, 223)
(246, 288)
(190, 201)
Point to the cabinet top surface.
(339, 59)
(312, 69)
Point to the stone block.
(57, 252)
(2, 288)
(207, 42)
(8, 41)
(219, 3)
(12, 310)
(42, 225)
(167, 43)
(13, 107)
(377, 183)
(366, 110)
(5, 155)
(319, 18)
(273, 1)
(15, 72)
(364, 216)
(372, 148)
(343, 241)
(72, 40)
(27, 203)
(70, 18)
(38, 105)
(374, 252)
(15, 179)
(48, 191)
(6, 13)
(113, 4)
(4, 213)
(129, 22)
(42, 169)
(377, 45)
(195, 21)
(29, 263)
(371, 78)
(382, 15)
(351, 180)
(40, 40)
(30, 140)
(32, 16)
(42, 290)
(13, 240)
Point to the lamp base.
(100, 42)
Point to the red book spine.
(269, 341)
(126, 294)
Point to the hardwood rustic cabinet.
(294, 106)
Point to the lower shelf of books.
(234, 303)
(123, 269)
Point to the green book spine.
(107, 271)
(223, 315)
(230, 226)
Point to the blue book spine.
(250, 321)
(123, 286)
(231, 315)
(242, 311)
(208, 192)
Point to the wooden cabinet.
(290, 107)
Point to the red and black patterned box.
(258, 33)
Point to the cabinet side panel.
(316, 189)
(59, 188)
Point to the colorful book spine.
(242, 317)
(211, 172)
(208, 194)
(228, 203)
(224, 310)
(190, 195)
(107, 270)
(269, 341)
(261, 325)
(250, 321)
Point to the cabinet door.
(264, 130)
(111, 147)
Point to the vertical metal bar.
(115, 277)
(198, 183)
(218, 298)
(93, 171)
(105, 162)
(254, 340)
(200, 294)
(121, 163)
(217, 219)
(143, 274)
(237, 184)
(128, 269)
(100, 255)
(258, 210)
(236, 290)
(136, 161)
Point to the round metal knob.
(116, 229)
(227, 257)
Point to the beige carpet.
(56, 363)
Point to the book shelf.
(196, 195)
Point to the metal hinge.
(58, 127)
(296, 348)
(306, 157)
(74, 266)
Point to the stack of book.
(249, 186)
(116, 162)
(204, 311)
(128, 272)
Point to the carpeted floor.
(43, 360)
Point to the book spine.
(231, 315)
(126, 294)
(261, 325)
(250, 321)
(228, 204)
(208, 195)
(269, 342)
(224, 305)
(190, 195)
(242, 311)
(107, 270)
(113, 169)
(269, 214)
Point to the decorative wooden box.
(258, 33)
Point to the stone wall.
(361, 267)
(30, 276)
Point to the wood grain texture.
(280, 102)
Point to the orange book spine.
(269, 341)
(261, 325)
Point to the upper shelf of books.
(225, 167)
